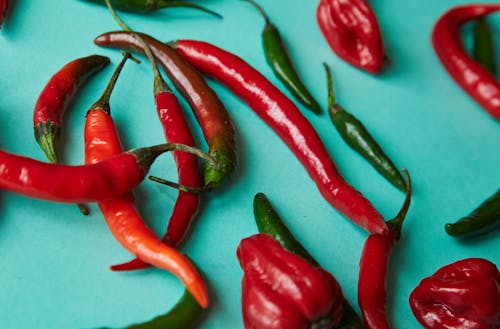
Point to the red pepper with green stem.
(374, 265)
(269, 222)
(206, 105)
(54, 100)
(176, 130)
(281, 114)
(461, 295)
(146, 6)
(357, 136)
(126, 225)
(474, 79)
(282, 290)
(484, 48)
(351, 29)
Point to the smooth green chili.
(483, 48)
(279, 60)
(268, 221)
(483, 219)
(357, 136)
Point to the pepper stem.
(180, 187)
(396, 223)
(159, 83)
(185, 4)
(261, 11)
(103, 101)
(333, 106)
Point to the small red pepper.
(461, 295)
(474, 79)
(351, 29)
(4, 5)
(282, 290)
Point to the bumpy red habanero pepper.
(283, 116)
(461, 295)
(351, 29)
(126, 225)
(282, 290)
(474, 79)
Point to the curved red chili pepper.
(55, 97)
(4, 6)
(374, 265)
(351, 29)
(88, 183)
(474, 79)
(287, 121)
(206, 105)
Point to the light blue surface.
(55, 261)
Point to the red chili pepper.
(4, 6)
(351, 29)
(206, 105)
(281, 114)
(474, 79)
(282, 290)
(88, 183)
(55, 97)
(102, 142)
(461, 295)
(374, 265)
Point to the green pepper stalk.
(484, 49)
(357, 136)
(269, 222)
(483, 219)
(279, 60)
(146, 6)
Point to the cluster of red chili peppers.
(283, 286)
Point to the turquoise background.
(55, 262)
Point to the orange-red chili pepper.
(283, 116)
(351, 29)
(126, 225)
(474, 79)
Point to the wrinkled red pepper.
(282, 290)
(351, 29)
(461, 295)
(474, 79)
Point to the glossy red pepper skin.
(461, 295)
(4, 6)
(72, 184)
(283, 116)
(55, 97)
(209, 111)
(282, 290)
(351, 29)
(474, 79)
(176, 130)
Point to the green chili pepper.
(146, 6)
(357, 136)
(268, 221)
(483, 219)
(484, 49)
(279, 60)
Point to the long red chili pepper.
(176, 130)
(373, 268)
(88, 183)
(286, 120)
(126, 225)
(474, 79)
(351, 29)
(4, 6)
(206, 105)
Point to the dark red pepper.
(283, 116)
(474, 79)
(4, 6)
(461, 295)
(351, 29)
(282, 290)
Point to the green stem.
(397, 222)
